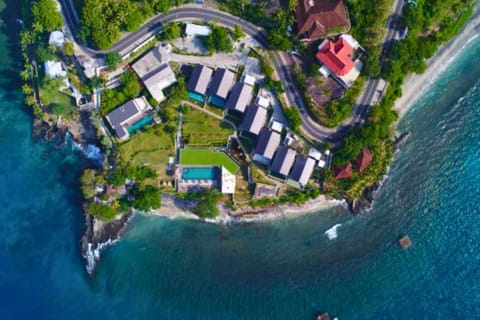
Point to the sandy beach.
(416, 84)
(177, 208)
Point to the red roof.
(343, 172)
(363, 159)
(315, 17)
(337, 56)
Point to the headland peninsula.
(229, 109)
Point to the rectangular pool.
(199, 173)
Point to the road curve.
(310, 128)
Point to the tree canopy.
(112, 60)
(46, 16)
(294, 118)
(103, 21)
(207, 207)
(146, 198)
(103, 212)
(219, 40)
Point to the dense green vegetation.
(41, 17)
(218, 40)
(113, 98)
(175, 94)
(238, 33)
(430, 23)
(103, 21)
(368, 27)
(336, 111)
(125, 170)
(105, 212)
(46, 16)
(112, 59)
(276, 24)
(294, 118)
(146, 198)
(171, 31)
(207, 207)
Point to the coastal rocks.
(39, 128)
(364, 203)
(98, 235)
(398, 141)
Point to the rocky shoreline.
(97, 234)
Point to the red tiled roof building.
(343, 172)
(315, 17)
(363, 159)
(336, 56)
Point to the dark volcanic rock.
(100, 234)
(364, 203)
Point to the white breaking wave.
(332, 232)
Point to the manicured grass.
(208, 158)
(151, 148)
(202, 130)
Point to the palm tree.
(37, 27)
(27, 90)
(25, 75)
(25, 39)
(30, 100)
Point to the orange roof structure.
(363, 159)
(336, 56)
(315, 17)
(343, 172)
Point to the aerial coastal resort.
(194, 107)
(224, 110)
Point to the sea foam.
(332, 232)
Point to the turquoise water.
(283, 269)
(217, 101)
(140, 123)
(196, 97)
(198, 173)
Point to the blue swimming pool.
(195, 96)
(217, 101)
(208, 173)
(140, 123)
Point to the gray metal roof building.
(240, 97)
(267, 143)
(155, 72)
(255, 119)
(222, 83)
(200, 79)
(302, 170)
(124, 116)
(283, 161)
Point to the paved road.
(310, 128)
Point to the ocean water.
(282, 269)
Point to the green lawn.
(207, 157)
(59, 102)
(202, 130)
(151, 148)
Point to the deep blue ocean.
(282, 269)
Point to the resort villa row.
(283, 163)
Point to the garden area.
(202, 130)
(151, 148)
(207, 157)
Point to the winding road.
(310, 128)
